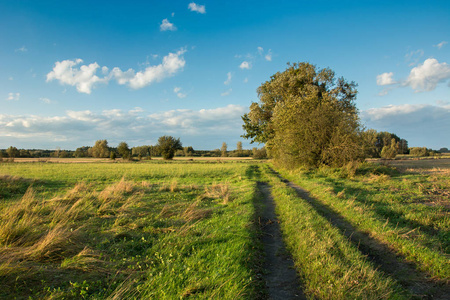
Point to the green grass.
(150, 230)
(406, 211)
(330, 266)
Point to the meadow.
(192, 229)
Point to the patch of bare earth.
(280, 276)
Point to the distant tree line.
(167, 147)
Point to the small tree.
(390, 151)
(123, 150)
(239, 149)
(100, 149)
(12, 152)
(113, 155)
(168, 145)
(223, 150)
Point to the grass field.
(152, 230)
(190, 229)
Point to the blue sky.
(72, 72)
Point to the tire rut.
(417, 282)
(280, 276)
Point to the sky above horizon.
(73, 72)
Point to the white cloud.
(166, 25)
(260, 50)
(245, 80)
(426, 76)
(13, 97)
(422, 125)
(196, 7)
(440, 45)
(228, 81)
(177, 90)
(226, 93)
(45, 100)
(137, 127)
(385, 79)
(245, 65)
(171, 64)
(85, 78)
(21, 49)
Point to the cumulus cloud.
(385, 79)
(245, 65)
(85, 78)
(440, 45)
(166, 25)
(171, 64)
(426, 76)
(136, 126)
(420, 124)
(177, 90)
(226, 93)
(228, 81)
(197, 8)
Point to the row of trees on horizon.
(167, 147)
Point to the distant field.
(93, 160)
(191, 229)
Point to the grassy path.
(412, 280)
(281, 279)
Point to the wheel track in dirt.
(280, 275)
(420, 284)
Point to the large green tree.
(168, 145)
(306, 117)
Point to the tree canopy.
(168, 145)
(305, 116)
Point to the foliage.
(223, 150)
(374, 142)
(259, 153)
(12, 152)
(100, 149)
(124, 150)
(306, 117)
(419, 151)
(390, 151)
(167, 145)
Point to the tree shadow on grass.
(405, 273)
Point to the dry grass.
(194, 212)
(218, 191)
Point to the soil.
(280, 276)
